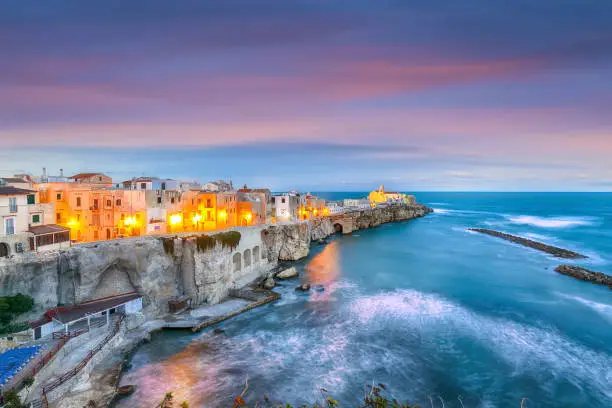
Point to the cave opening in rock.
(338, 228)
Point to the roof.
(86, 175)
(14, 191)
(48, 229)
(391, 192)
(68, 314)
(13, 180)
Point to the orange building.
(92, 210)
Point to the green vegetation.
(12, 306)
(168, 244)
(12, 400)
(375, 397)
(229, 239)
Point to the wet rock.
(287, 273)
(304, 287)
(126, 390)
(268, 283)
(549, 249)
(218, 331)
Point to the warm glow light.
(196, 218)
(315, 211)
(129, 221)
(72, 222)
(249, 216)
(176, 219)
(222, 214)
(326, 211)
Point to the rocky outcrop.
(585, 274)
(164, 268)
(287, 273)
(159, 268)
(287, 242)
(549, 249)
(292, 242)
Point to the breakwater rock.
(585, 274)
(553, 250)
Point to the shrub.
(229, 239)
(168, 244)
(11, 306)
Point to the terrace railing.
(76, 369)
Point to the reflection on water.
(323, 271)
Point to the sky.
(315, 95)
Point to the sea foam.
(558, 222)
(527, 348)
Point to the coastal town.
(91, 266)
(53, 212)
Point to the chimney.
(61, 172)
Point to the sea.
(439, 315)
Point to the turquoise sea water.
(425, 307)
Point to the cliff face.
(292, 242)
(163, 268)
(140, 264)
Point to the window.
(172, 200)
(9, 226)
(96, 237)
(209, 203)
(163, 186)
(78, 201)
(99, 178)
(12, 204)
(31, 199)
(95, 220)
(283, 200)
(58, 196)
(158, 200)
(95, 203)
(143, 186)
(109, 203)
(122, 217)
(35, 219)
(58, 217)
(118, 202)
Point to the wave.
(526, 348)
(605, 310)
(558, 222)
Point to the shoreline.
(283, 245)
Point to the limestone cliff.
(292, 242)
(142, 264)
(161, 268)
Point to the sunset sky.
(312, 94)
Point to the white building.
(356, 203)
(286, 206)
(26, 224)
(84, 315)
(335, 207)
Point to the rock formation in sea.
(584, 274)
(549, 249)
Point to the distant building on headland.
(380, 196)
